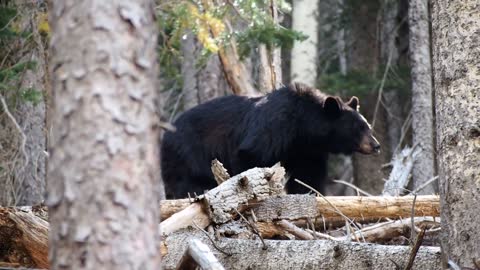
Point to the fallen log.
(355, 207)
(221, 203)
(24, 237)
(309, 254)
(198, 254)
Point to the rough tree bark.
(456, 66)
(103, 169)
(314, 254)
(422, 109)
(304, 54)
(364, 54)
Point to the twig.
(359, 190)
(211, 240)
(15, 123)
(333, 206)
(293, 229)
(424, 185)
(413, 217)
(322, 235)
(415, 248)
(254, 228)
(380, 89)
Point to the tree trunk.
(364, 54)
(103, 171)
(456, 62)
(304, 54)
(200, 84)
(422, 108)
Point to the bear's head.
(349, 131)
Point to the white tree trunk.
(103, 171)
(422, 108)
(304, 54)
(456, 65)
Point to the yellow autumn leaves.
(208, 27)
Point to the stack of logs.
(248, 222)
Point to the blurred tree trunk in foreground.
(456, 66)
(103, 172)
(422, 108)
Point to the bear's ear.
(353, 103)
(332, 106)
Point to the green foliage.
(12, 70)
(207, 23)
(269, 34)
(361, 83)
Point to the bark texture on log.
(422, 98)
(301, 206)
(23, 237)
(315, 254)
(456, 65)
(103, 171)
(220, 204)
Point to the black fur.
(296, 125)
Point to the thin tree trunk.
(304, 54)
(204, 83)
(103, 171)
(456, 62)
(422, 108)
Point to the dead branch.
(199, 254)
(386, 231)
(402, 166)
(219, 172)
(25, 235)
(415, 248)
(299, 233)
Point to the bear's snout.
(369, 145)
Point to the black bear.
(296, 125)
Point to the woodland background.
(413, 64)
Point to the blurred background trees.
(342, 47)
(211, 48)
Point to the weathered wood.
(309, 254)
(220, 204)
(193, 215)
(355, 207)
(23, 237)
(399, 176)
(251, 186)
(199, 254)
(219, 172)
(386, 231)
